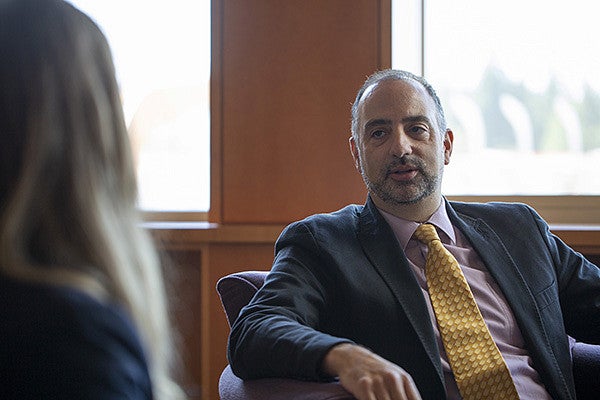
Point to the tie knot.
(426, 233)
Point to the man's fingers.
(410, 389)
(387, 385)
(368, 376)
(373, 388)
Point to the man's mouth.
(403, 172)
(404, 169)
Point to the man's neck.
(418, 212)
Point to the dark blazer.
(343, 277)
(59, 343)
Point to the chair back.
(586, 371)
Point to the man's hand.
(368, 376)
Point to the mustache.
(405, 161)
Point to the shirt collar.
(404, 228)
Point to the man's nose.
(402, 144)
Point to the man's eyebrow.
(388, 122)
(378, 122)
(417, 118)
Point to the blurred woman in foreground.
(82, 305)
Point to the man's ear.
(354, 151)
(448, 145)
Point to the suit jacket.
(59, 343)
(342, 277)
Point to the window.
(520, 86)
(162, 56)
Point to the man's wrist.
(338, 357)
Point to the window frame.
(174, 216)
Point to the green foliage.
(549, 133)
(589, 114)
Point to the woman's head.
(63, 140)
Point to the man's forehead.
(395, 95)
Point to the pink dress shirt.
(489, 298)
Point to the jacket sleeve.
(277, 334)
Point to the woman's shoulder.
(40, 309)
(59, 341)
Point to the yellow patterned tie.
(478, 366)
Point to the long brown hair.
(67, 182)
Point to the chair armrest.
(586, 370)
(233, 388)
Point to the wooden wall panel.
(224, 259)
(288, 72)
(182, 274)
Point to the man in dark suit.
(347, 297)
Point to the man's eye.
(378, 134)
(417, 130)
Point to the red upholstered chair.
(236, 290)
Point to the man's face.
(400, 151)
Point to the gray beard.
(404, 193)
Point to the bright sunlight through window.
(162, 56)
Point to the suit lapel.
(500, 265)
(382, 250)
